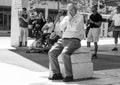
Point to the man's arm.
(112, 24)
(63, 23)
(44, 27)
(96, 23)
(26, 20)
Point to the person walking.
(94, 21)
(72, 27)
(116, 27)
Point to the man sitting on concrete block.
(82, 66)
(72, 27)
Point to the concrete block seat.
(82, 66)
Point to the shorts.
(93, 35)
(116, 31)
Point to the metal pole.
(98, 6)
(58, 5)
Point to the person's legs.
(53, 59)
(94, 56)
(21, 36)
(115, 35)
(89, 38)
(88, 44)
(26, 36)
(96, 33)
(70, 46)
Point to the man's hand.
(91, 21)
(96, 23)
(34, 22)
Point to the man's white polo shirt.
(74, 27)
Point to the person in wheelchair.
(47, 30)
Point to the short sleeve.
(113, 18)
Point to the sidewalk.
(16, 69)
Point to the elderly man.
(72, 26)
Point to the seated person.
(36, 44)
(56, 34)
(47, 29)
(39, 23)
(72, 27)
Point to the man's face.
(118, 9)
(72, 11)
(48, 19)
(94, 9)
(24, 11)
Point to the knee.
(65, 56)
(50, 52)
(66, 53)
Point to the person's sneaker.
(68, 79)
(56, 77)
(94, 56)
(115, 49)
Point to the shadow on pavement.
(104, 61)
(38, 58)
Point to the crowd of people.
(70, 31)
(33, 24)
(72, 27)
(36, 26)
